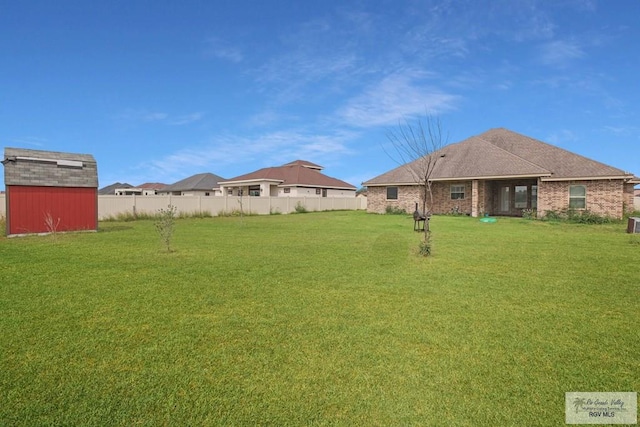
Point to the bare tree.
(416, 143)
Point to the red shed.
(48, 191)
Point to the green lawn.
(316, 319)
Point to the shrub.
(455, 211)
(51, 223)
(195, 214)
(165, 224)
(529, 214)
(130, 216)
(235, 213)
(300, 208)
(424, 247)
(578, 217)
(551, 215)
(3, 226)
(588, 217)
(634, 213)
(394, 210)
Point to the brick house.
(501, 172)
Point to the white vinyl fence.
(111, 206)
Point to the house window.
(230, 192)
(206, 193)
(504, 199)
(392, 193)
(287, 190)
(318, 191)
(577, 197)
(521, 197)
(254, 190)
(457, 192)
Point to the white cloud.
(221, 49)
(269, 149)
(559, 53)
(623, 130)
(142, 115)
(561, 136)
(29, 140)
(146, 116)
(395, 96)
(289, 77)
(186, 119)
(504, 85)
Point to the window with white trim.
(457, 192)
(577, 197)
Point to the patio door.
(504, 199)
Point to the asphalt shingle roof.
(501, 153)
(298, 173)
(202, 182)
(110, 190)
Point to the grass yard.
(316, 319)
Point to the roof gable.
(152, 185)
(562, 163)
(292, 174)
(304, 163)
(198, 182)
(501, 153)
(475, 157)
(109, 190)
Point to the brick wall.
(604, 197)
(408, 195)
(442, 202)
(480, 192)
(628, 197)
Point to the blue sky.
(158, 91)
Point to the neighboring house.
(501, 172)
(636, 200)
(296, 179)
(110, 190)
(50, 191)
(147, 189)
(202, 184)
